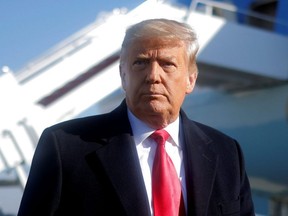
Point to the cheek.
(178, 89)
(129, 84)
(125, 79)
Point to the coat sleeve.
(43, 189)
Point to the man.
(104, 165)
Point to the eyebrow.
(161, 57)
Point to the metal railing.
(210, 7)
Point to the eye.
(168, 66)
(140, 62)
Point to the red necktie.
(166, 187)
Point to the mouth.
(153, 95)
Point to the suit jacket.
(89, 166)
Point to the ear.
(123, 77)
(191, 81)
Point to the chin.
(151, 107)
(156, 106)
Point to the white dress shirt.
(146, 148)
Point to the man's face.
(154, 74)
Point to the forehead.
(146, 45)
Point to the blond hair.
(166, 29)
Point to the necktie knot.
(160, 136)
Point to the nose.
(153, 73)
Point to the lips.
(152, 92)
(153, 95)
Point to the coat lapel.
(200, 167)
(120, 161)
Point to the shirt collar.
(141, 131)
